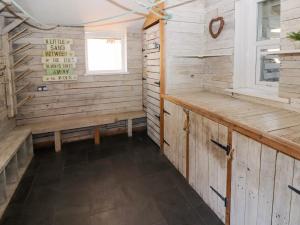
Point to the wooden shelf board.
(203, 56)
(284, 52)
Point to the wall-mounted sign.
(58, 59)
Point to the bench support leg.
(97, 136)
(2, 187)
(22, 155)
(29, 145)
(129, 127)
(57, 140)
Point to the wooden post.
(228, 180)
(187, 144)
(3, 193)
(10, 78)
(57, 141)
(129, 127)
(162, 81)
(97, 136)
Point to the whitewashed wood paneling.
(90, 94)
(261, 181)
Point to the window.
(106, 53)
(257, 40)
(268, 42)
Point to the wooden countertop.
(275, 127)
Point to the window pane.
(269, 66)
(104, 54)
(268, 20)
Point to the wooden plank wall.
(183, 36)
(187, 34)
(289, 85)
(90, 94)
(218, 73)
(5, 124)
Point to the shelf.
(284, 52)
(203, 56)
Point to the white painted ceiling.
(73, 12)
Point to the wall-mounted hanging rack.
(21, 49)
(13, 25)
(17, 34)
(24, 101)
(24, 59)
(21, 88)
(23, 74)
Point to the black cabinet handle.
(166, 112)
(225, 148)
(166, 142)
(294, 189)
(220, 196)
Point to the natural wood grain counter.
(275, 127)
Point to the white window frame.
(122, 35)
(246, 66)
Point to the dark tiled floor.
(120, 182)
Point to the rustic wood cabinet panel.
(170, 131)
(265, 185)
(207, 161)
(175, 136)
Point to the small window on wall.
(268, 42)
(257, 39)
(105, 53)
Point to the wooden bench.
(57, 126)
(16, 151)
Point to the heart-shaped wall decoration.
(221, 22)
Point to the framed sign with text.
(59, 60)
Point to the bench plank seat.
(81, 122)
(56, 126)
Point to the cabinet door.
(207, 162)
(170, 130)
(175, 136)
(182, 141)
(265, 185)
(215, 133)
(286, 207)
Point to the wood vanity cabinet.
(265, 185)
(206, 150)
(208, 147)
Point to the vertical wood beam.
(97, 136)
(3, 193)
(129, 127)
(229, 178)
(57, 141)
(187, 146)
(162, 81)
(10, 86)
